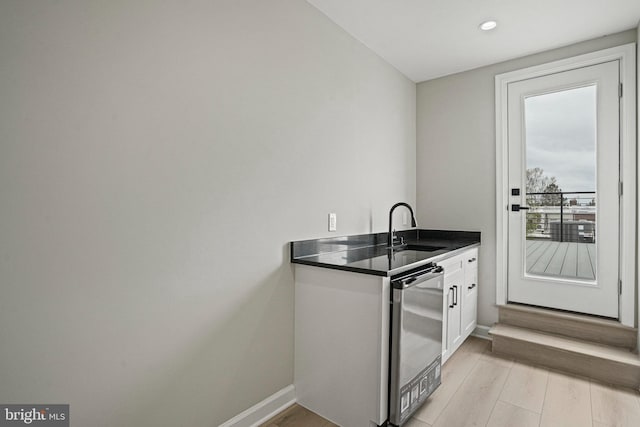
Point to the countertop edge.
(389, 273)
(370, 272)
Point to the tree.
(553, 198)
(538, 182)
(533, 221)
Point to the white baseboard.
(481, 331)
(262, 411)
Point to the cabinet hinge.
(620, 91)
(620, 286)
(620, 188)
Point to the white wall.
(638, 186)
(155, 159)
(456, 154)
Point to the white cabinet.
(460, 300)
(341, 367)
(452, 325)
(470, 293)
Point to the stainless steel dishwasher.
(415, 341)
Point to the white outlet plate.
(333, 219)
(405, 218)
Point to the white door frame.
(626, 54)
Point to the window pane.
(560, 135)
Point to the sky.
(561, 136)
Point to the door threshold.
(596, 329)
(559, 310)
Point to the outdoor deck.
(563, 259)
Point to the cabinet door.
(453, 285)
(452, 266)
(470, 293)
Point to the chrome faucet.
(413, 221)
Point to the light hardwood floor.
(297, 416)
(482, 389)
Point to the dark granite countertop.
(368, 253)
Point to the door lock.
(516, 208)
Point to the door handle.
(516, 208)
(452, 299)
(455, 295)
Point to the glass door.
(563, 179)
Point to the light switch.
(333, 218)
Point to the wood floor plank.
(454, 373)
(566, 259)
(584, 268)
(541, 264)
(569, 267)
(476, 345)
(535, 246)
(297, 416)
(473, 403)
(531, 244)
(525, 387)
(615, 406)
(593, 250)
(507, 415)
(414, 422)
(535, 253)
(567, 401)
(555, 265)
(500, 359)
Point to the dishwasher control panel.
(413, 394)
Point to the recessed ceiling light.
(488, 25)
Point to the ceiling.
(425, 39)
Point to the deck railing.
(564, 216)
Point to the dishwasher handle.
(418, 278)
